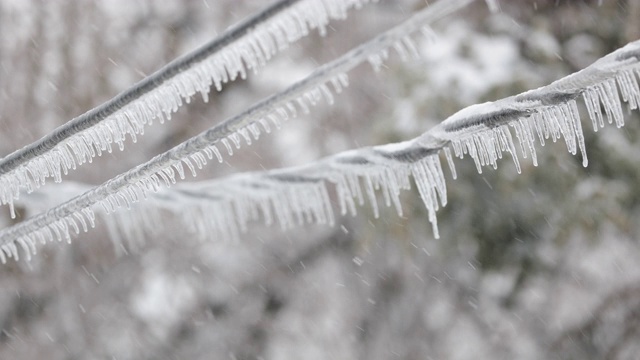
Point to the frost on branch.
(245, 47)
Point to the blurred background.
(538, 265)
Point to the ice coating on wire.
(243, 48)
(296, 196)
(483, 131)
(135, 184)
(224, 208)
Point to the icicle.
(327, 94)
(165, 178)
(493, 5)
(234, 139)
(213, 150)
(610, 99)
(429, 179)
(254, 130)
(337, 86)
(329, 217)
(411, 48)
(280, 209)
(345, 197)
(399, 46)
(437, 174)
(394, 193)
(528, 138)
(375, 61)
(511, 147)
(90, 216)
(354, 186)
(25, 249)
(73, 224)
(372, 196)
(593, 108)
(313, 96)
(290, 109)
(56, 231)
(13, 251)
(303, 105)
(168, 171)
(517, 126)
(629, 88)
(64, 228)
(344, 80)
(244, 132)
(200, 160)
(48, 234)
(12, 209)
(471, 149)
(575, 116)
(226, 144)
(190, 166)
(82, 221)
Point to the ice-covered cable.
(222, 208)
(244, 47)
(484, 131)
(292, 196)
(165, 168)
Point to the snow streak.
(134, 185)
(244, 47)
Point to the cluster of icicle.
(62, 221)
(484, 131)
(295, 196)
(299, 195)
(244, 47)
